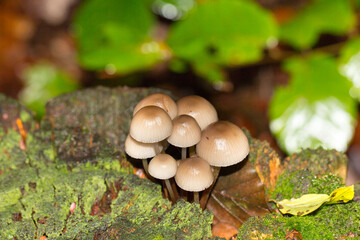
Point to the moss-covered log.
(68, 177)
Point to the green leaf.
(115, 35)
(321, 16)
(349, 65)
(310, 202)
(315, 109)
(172, 9)
(223, 33)
(42, 82)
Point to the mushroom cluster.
(190, 123)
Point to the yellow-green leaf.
(310, 202)
(303, 205)
(342, 195)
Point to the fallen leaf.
(303, 205)
(224, 230)
(342, 195)
(238, 196)
(293, 235)
(310, 202)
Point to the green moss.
(319, 161)
(328, 222)
(11, 155)
(44, 197)
(24, 229)
(25, 116)
(10, 187)
(293, 184)
(139, 208)
(181, 221)
(186, 221)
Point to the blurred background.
(289, 71)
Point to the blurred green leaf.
(115, 35)
(172, 9)
(315, 108)
(349, 65)
(356, 3)
(222, 33)
(177, 65)
(42, 82)
(321, 16)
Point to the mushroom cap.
(162, 166)
(139, 150)
(194, 174)
(150, 124)
(199, 108)
(186, 132)
(160, 100)
(223, 144)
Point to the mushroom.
(186, 133)
(222, 144)
(150, 124)
(164, 166)
(160, 100)
(194, 175)
(139, 150)
(199, 108)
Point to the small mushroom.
(199, 108)
(222, 144)
(194, 175)
(164, 166)
(143, 151)
(150, 124)
(186, 133)
(160, 100)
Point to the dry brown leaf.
(224, 230)
(238, 196)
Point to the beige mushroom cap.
(186, 132)
(162, 166)
(150, 124)
(223, 144)
(160, 100)
(199, 108)
(139, 150)
(194, 174)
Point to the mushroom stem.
(206, 193)
(216, 171)
(196, 197)
(183, 153)
(170, 190)
(192, 151)
(146, 167)
(183, 194)
(159, 150)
